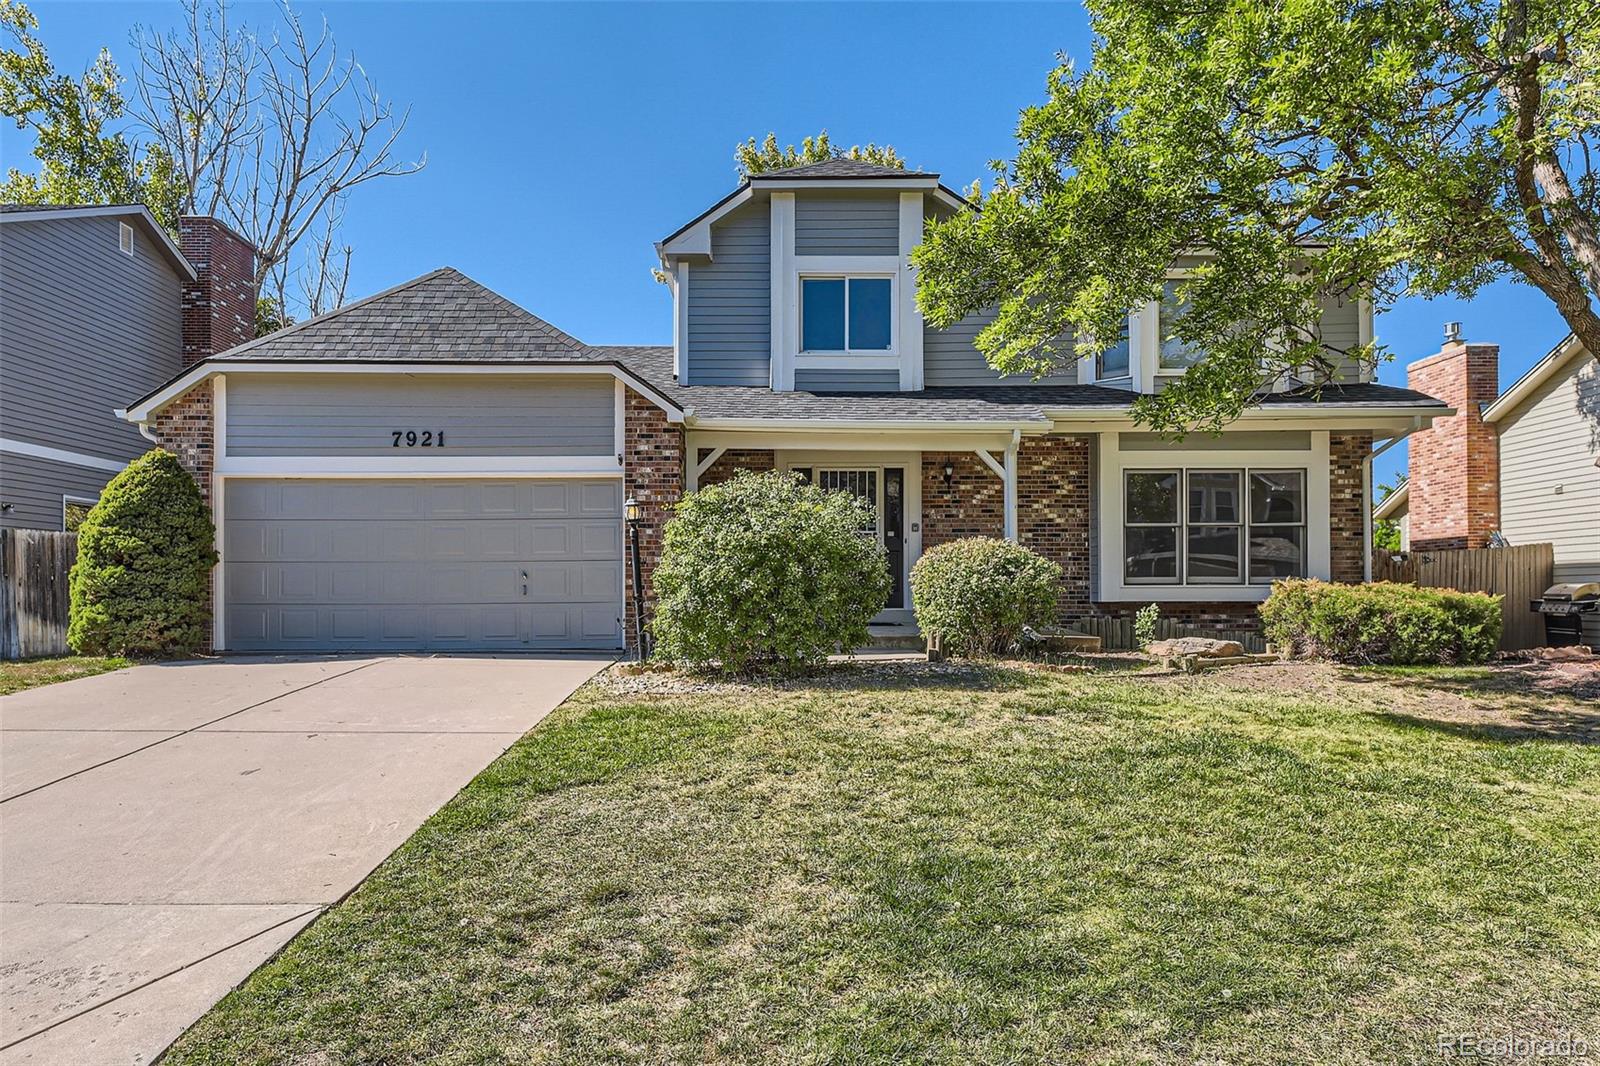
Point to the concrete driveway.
(165, 829)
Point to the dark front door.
(884, 489)
(894, 532)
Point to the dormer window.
(846, 314)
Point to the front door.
(884, 489)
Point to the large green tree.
(752, 158)
(1379, 149)
(83, 155)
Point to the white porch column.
(1011, 491)
(1006, 470)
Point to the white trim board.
(61, 455)
(155, 401)
(382, 466)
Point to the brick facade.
(186, 428)
(973, 504)
(1455, 464)
(1053, 511)
(219, 306)
(734, 460)
(1347, 506)
(652, 474)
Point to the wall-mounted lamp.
(949, 473)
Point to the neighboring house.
(96, 304)
(435, 467)
(1525, 463)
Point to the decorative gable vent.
(125, 238)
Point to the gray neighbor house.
(435, 467)
(96, 304)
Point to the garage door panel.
(402, 565)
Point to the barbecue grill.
(1563, 607)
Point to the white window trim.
(69, 499)
(1113, 462)
(856, 356)
(125, 238)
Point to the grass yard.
(1268, 865)
(31, 673)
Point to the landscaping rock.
(1204, 647)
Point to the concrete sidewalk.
(165, 829)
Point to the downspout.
(1367, 501)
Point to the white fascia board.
(696, 239)
(855, 424)
(142, 411)
(1528, 383)
(61, 455)
(152, 227)
(859, 442)
(314, 466)
(1393, 502)
(796, 184)
(1354, 416)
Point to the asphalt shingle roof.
(842, 168)
(443, 316)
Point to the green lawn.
(31, 673)
(1274, 865)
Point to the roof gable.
(138, 214)
(840, 168)
(442, 316)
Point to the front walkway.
(165, 829)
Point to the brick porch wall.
(973, 506)
(185, 428)
(734, 460)
(1347, 505)
(1053, 512)
(652, 473)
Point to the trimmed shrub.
(765, 573)
(1144, 625)
(978, 593)
(145, 551)
(1384, 622)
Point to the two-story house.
(435, 467)
(96, 304)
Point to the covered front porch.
(925, 488)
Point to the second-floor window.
(846, 314)
(1174, 354)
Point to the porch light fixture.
(949, 473)
(630, 514)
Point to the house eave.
(1542, 371)
(141, 410)
(164, 241)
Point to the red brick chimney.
(1455, 465)
(219, 306)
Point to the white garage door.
(452, 564)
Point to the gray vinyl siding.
(730, 303)
(84, 329)
(950, 357)
(320, 414)
(1551, 442)
(847, 224)
(1341, 329)
(847, 380)
(32, 489)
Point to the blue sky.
(563, 139)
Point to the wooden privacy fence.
(1116, 634)
(34, 564)
(1519, 574)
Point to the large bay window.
(846, 314)
(1213, 527)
